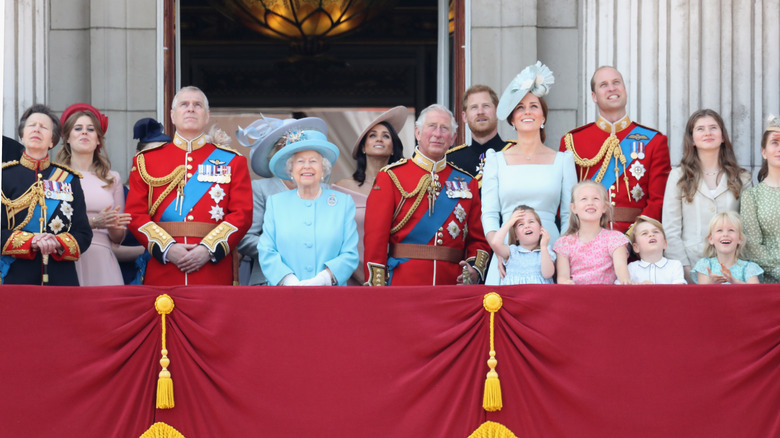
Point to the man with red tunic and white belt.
(190, 201)
(423, 221)
(630, 160)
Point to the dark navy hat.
(148, 130)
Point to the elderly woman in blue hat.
(265, 137)
(526, 171)
(309, 234)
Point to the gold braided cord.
(172, 180)
(29, 199)
(420, 191)
(610, 148)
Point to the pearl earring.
(542, 126)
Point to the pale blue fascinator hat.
(535, 78)
(262, 134)
(299, 141)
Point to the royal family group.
(604, 207)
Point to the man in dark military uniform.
(630, 160)
(479, 113)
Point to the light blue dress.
(302, 237)
(525, 267)
(742, 270)
(543, 187)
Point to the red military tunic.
(218, 219)
(639, 187)
(399, 201)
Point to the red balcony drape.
(573, 361)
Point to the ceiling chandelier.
(306, 24)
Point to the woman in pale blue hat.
(526, 171)
(266, 136)
(309, 234)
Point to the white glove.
(290, 280)
(321, 279)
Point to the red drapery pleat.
(574, 361)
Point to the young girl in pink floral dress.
(589, 253)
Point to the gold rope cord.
(29, 199)
(610, 149)
(420, 191)
(172, 180)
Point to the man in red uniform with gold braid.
(428, 211)
(190, 201)
(630, 160)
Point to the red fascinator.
(76, 107)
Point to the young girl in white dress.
(529, 259)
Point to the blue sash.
(193, 190)
(34, 226)
(637, 135)
(427, 226)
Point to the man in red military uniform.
(190, 201)
(429, 213)
(630, 160)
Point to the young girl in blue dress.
(721, 263)
(529, 259)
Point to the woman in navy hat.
(376, 147)
(44, 219)
(309, 234)
(83, 147)
(131, 255)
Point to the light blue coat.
(302, 237)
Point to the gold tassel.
(164, 306)
(490, 429)
(161, 430)
(491, 401)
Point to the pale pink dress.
(360, 216)
(591, 262)
(98, 265)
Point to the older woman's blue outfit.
(303, 237)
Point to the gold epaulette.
(10, 163)
(456, 148)
(74, 172)
(151, 148)
(648, 128)
(460, 170)
(391, 165)
(226, 148)
(509, 144)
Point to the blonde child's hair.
(642, 218)
(574, 220)
(726, 216)
(513, 236)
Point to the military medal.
(217, 193)
(637, 193)
(453, 229)
(637, 169)
(633, 150)
(641, 153)
(460, 213)
(203, 172)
